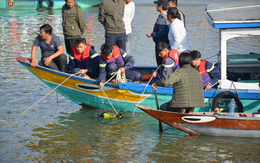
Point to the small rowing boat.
(205, 123)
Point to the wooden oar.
(157, 103)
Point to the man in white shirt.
(128, 17)
(177, 32)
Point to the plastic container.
(232, 106)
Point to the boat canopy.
(234, 19)
(242, 14)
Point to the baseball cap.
(161, 2)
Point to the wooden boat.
(44, 4)
(124, 96)
(205, 123)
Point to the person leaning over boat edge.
(181, 16)
(209, 73)
(113, 59)
(83, 59)
(160, 29)
(169, 64)
(188, 87)
(73, 23)
(51, 49)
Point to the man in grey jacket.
(111, 13)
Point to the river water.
(58, 130)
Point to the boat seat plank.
(243, 62)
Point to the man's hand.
(154, 74)
(83, 71)
(101, 85)
(149, 35)
(160, 67)
(122, 69)
(154, 86)
(208, 87)
(33, 63)
(48, 60)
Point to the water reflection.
(57, 129)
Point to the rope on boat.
(144, 90)
(48, 93)
(120, 78)
(109, 100)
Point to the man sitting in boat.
(209, 73)
(188, 87)
(51, 49)
(169, 64)
(83, 60)
(113, 59)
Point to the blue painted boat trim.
(236, 25)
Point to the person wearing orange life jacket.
(84, 60)
(209, 73)
(113, 59)
(169, 64)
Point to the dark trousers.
(158, 58)
(69, 43)
(116, 39)
(59, 63)
(129, 73)
(166, 107)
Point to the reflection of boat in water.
(233, 19)
(44, 4)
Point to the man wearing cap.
(160, 30)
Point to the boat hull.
(208, 124)
(34, 4)
(124, 96)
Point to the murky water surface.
(57, 129)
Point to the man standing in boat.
(51, 49)
(111, 14)
(84, 60)
(169, 64)
(160, 29)
(113, 59)
(73, 23)
(209, 73)
(188, 87)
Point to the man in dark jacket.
(113, 59)
(73, 23)
(160, 29)
(111, 14)
(188, 87)
(84, 60)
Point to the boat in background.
(44, 4)
(206, 123)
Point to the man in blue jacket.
(161, 29)
(83, 60)
(169, 64)
(113, 59)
